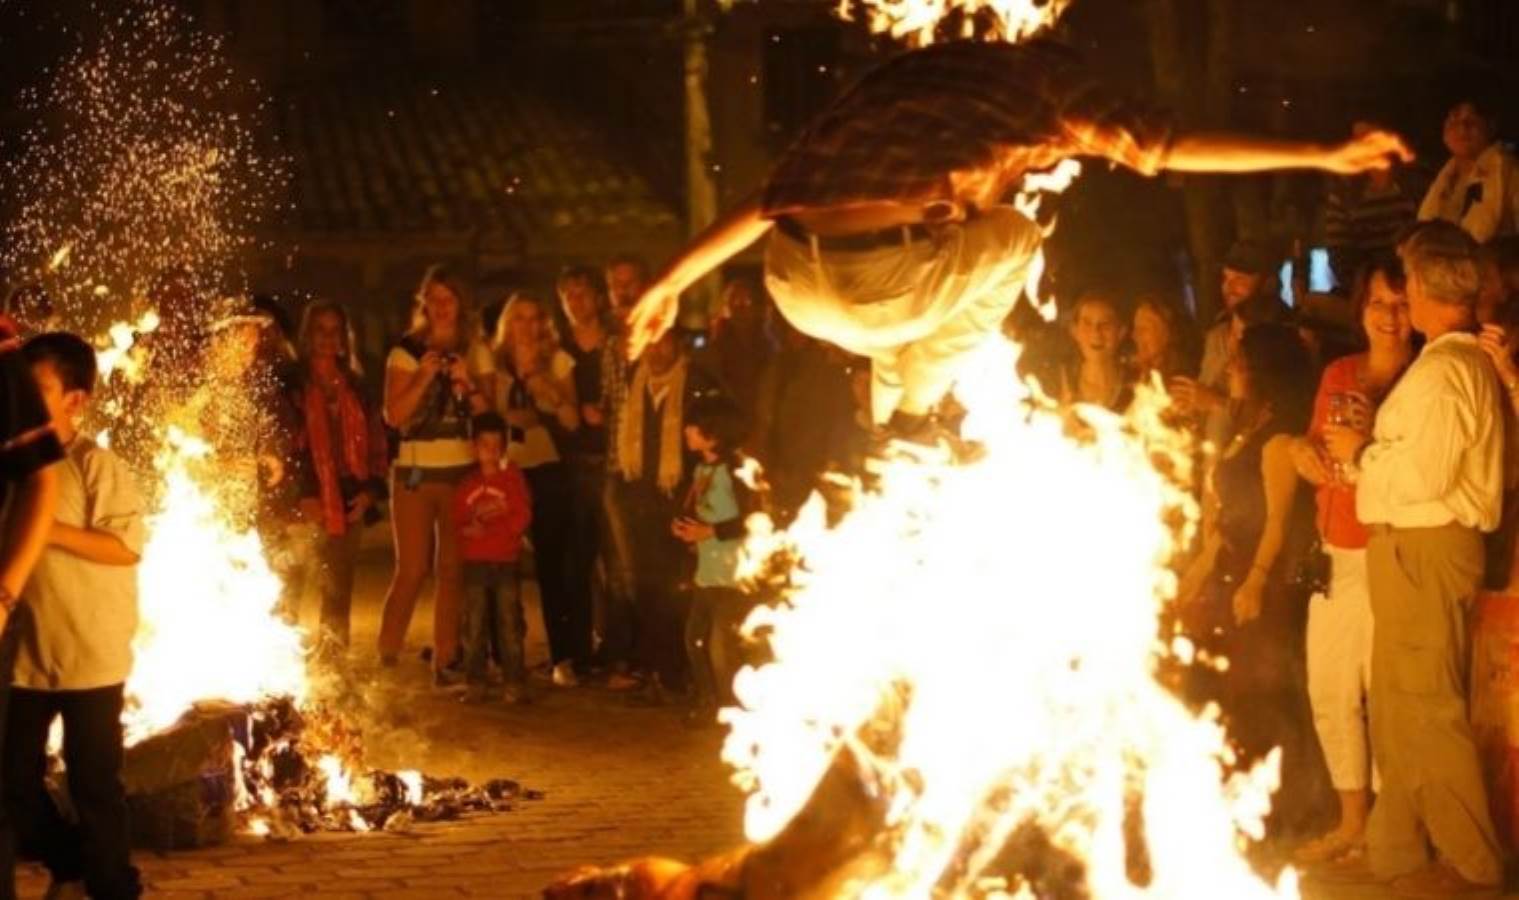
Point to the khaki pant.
(1423, 581)
(422, 520)
(914, 309)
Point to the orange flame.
(1009, 638)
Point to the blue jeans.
(493, 608)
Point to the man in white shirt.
(1430, 481)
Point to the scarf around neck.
(332, 455)
(672, 385)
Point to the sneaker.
(564, 675)
(475, 694)
(447, 678)
(65, 890)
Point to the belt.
(1384, 528)
(895, 236)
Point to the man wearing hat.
(1249, 277)
(888, 224)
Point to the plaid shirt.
(963, 109)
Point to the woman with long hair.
(1095, 375)
(535, 393)
(434, 384)
(340, 456)
(585, 455)
(1237, 597)
(1339, 619)
(1162, 335)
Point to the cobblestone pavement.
(619, 782)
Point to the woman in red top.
(1339, 621)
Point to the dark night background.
(512, 136)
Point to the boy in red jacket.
(492, 511)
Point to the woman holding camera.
(535, 393)
(339, 453)
(434, 381)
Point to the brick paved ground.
(620, 782)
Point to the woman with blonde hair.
(435, 379)
(535, 393)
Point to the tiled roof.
(410, 154)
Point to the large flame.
(1008, 636)
(917, 22)
(207, 599)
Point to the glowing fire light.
(917, 21)
(115, 353)
(1010, 639)
(339, 785)
(340, 791)
(412, 780)
(207, 598)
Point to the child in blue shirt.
(716, 504)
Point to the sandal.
(1349, 866)
(1324, 848)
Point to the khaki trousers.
(914, 309)
(422, 521)
(1423, 582)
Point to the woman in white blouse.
(434, 380)
(535, 393)
(1478, 188)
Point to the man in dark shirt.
(28, 494)
(28, 448)
(888, 233)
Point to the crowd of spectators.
(1339, 489)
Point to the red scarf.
(354, 426)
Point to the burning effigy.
(141, 193)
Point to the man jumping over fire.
(888, 231)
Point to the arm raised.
(1227, 152)
(728, 236)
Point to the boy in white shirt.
(76, 621)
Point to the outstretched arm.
(1227, 152)
(723, 239)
